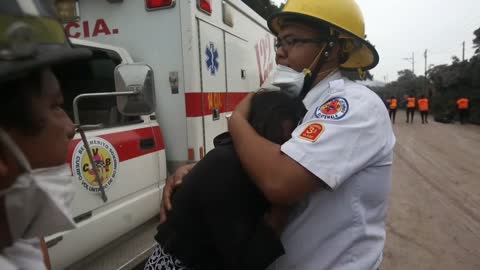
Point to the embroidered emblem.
(312, 132)
(334, 109)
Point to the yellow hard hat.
(342, 15)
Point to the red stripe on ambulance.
(200, 104)
(127, 143)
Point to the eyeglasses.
(288, 43)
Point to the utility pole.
(412, 60)
(413, 63)
(463, 51)
(425, 54)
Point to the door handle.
(147, 144)
(54, 241)
(215, 114)
(82, 217)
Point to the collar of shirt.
(320, 89)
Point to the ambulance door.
(213, 86)
(126, 151)
(125, 148)
(241, 73)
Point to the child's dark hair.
(269, 112)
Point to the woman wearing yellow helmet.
(339, 31)
(335, 170)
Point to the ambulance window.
(93, 75)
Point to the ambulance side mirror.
(136, 82)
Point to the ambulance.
(163, 77)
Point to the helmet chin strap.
(317, 63)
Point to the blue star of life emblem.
(212, 58)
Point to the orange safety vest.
(411, 102)
(393, 103)
(423, 104)
(462, 104)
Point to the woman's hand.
(170, 186)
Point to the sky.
(399, 28)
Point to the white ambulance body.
(203, 65)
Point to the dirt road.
(434, 215)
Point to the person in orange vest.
(423, 108)
(462, 106)
(392, 108)
(410, 108)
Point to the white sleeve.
(5, 264)
(25, 254)
(335, 148)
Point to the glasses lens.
(277, 44)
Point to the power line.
(411, 60)
(446, 52)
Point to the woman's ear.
(346, 46)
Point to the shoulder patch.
(333, 109)
(312, 132)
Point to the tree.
(476, 41)
(356, 76)
(455, 59)
(264, 8)
(456, 80)
(406, 75)
(406, 84)
(446, 83)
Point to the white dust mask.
(38, 203)
(289, 80)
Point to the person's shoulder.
(222, 152)
(357, 88)
(210, 170)
(361, 95)
(217, 160)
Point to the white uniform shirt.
(23, 255)
(346, 140)
(5, 264)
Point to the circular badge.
(334, 109)
(106, 159)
